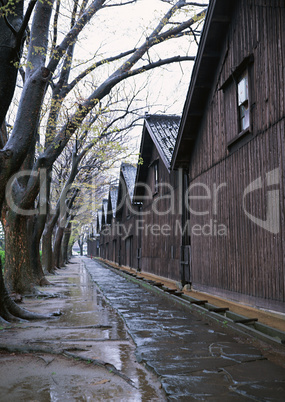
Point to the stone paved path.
(195, 360)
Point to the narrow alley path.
(195, 360)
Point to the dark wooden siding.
(93, 247)
(161, 253)
(250, 259)
(115, 245)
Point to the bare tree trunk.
(23, 267)
(20, 275)
(9, 310)
(36, 263)
(57, 246)
(69, 251)
(47, 253)
(11, 42)
(80, 242)
(65, 243)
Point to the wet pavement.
(194, 359)
(85, 354)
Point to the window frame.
(155, 177)
(243, 103)
(236, 135)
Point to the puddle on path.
(89, 323)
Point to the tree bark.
(80, 244)
(47, 254)
(10, 53)
(69, 250)
(57, 246)
(65, 243)
(36, 263)
(9, 310)
(19, 273)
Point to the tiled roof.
(99, 219)
(129, 172)
(163, 130)
(114, 197)
(105, 208)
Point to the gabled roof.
(104, 211)
(208, 57)
(126, 186)
(114, 198)
(163, 130)
(129, 173)
(99, 220)
(159, 131)
(112, 202)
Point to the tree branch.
(184, 25)
(156, 38)
(39, 36)
(55, 26)
(74, 32)
(70, 86)
(26, 19)
(121, 4)
(191, 3)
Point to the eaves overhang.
(208, 57)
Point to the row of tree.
(66, 124)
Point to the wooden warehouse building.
(221, 165)
(232, 142)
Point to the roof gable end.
(209, 53)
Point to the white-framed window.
(243, 102)
(155, 177)
(239, 103)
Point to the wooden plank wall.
(92, 249)
(161, 253)
(249, 260)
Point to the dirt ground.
(83, 354)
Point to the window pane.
(243, 89)
(244, 116)
(155, 167)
